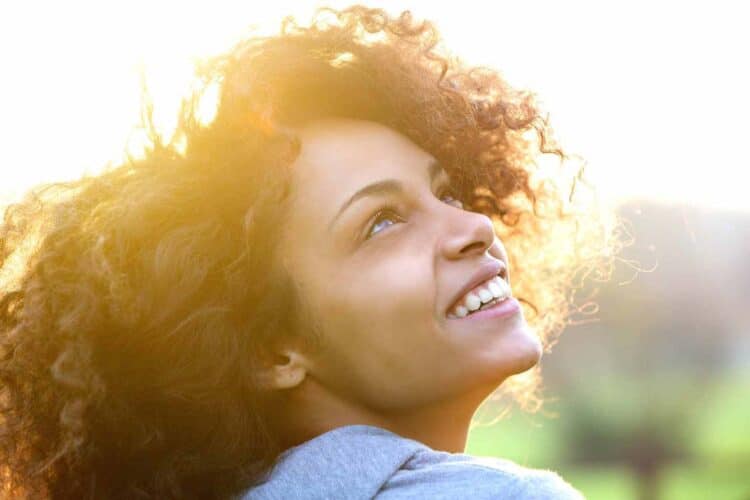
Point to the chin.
(518, 359)
(535, 356)
(527, 354)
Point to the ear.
(283, 368)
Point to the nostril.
(503, 273)
(477, 245)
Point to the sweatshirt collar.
(353, 462)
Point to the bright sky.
(653, 94)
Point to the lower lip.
(501, 309)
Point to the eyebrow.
(383, 188)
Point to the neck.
(442, 426)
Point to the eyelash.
(391, 210)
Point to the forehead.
(340, 156)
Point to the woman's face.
(380, 287)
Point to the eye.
(448, 192)
(386, 214)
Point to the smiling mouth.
(486, 295)
(500, 307)
(489, 304)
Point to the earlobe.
(290, 374)
(286, 371)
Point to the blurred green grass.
(606, 483)
(714, 418)
(721, 429)
(706, 482)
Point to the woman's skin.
(390, 357)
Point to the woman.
(307, 297)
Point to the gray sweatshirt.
(358, 462)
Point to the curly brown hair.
(134, 303)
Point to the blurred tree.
(644, 431)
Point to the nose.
(467, 234)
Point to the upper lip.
(487, 270)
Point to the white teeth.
(504, 286)
(495, 289)
(472, 302)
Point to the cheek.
(393, 296)
(380, 283)
(386, 344)
(381, 332)
(379, 309)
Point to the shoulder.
(351, 462)
(440, 475)
(360, 462)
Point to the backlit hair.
(134, 302)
